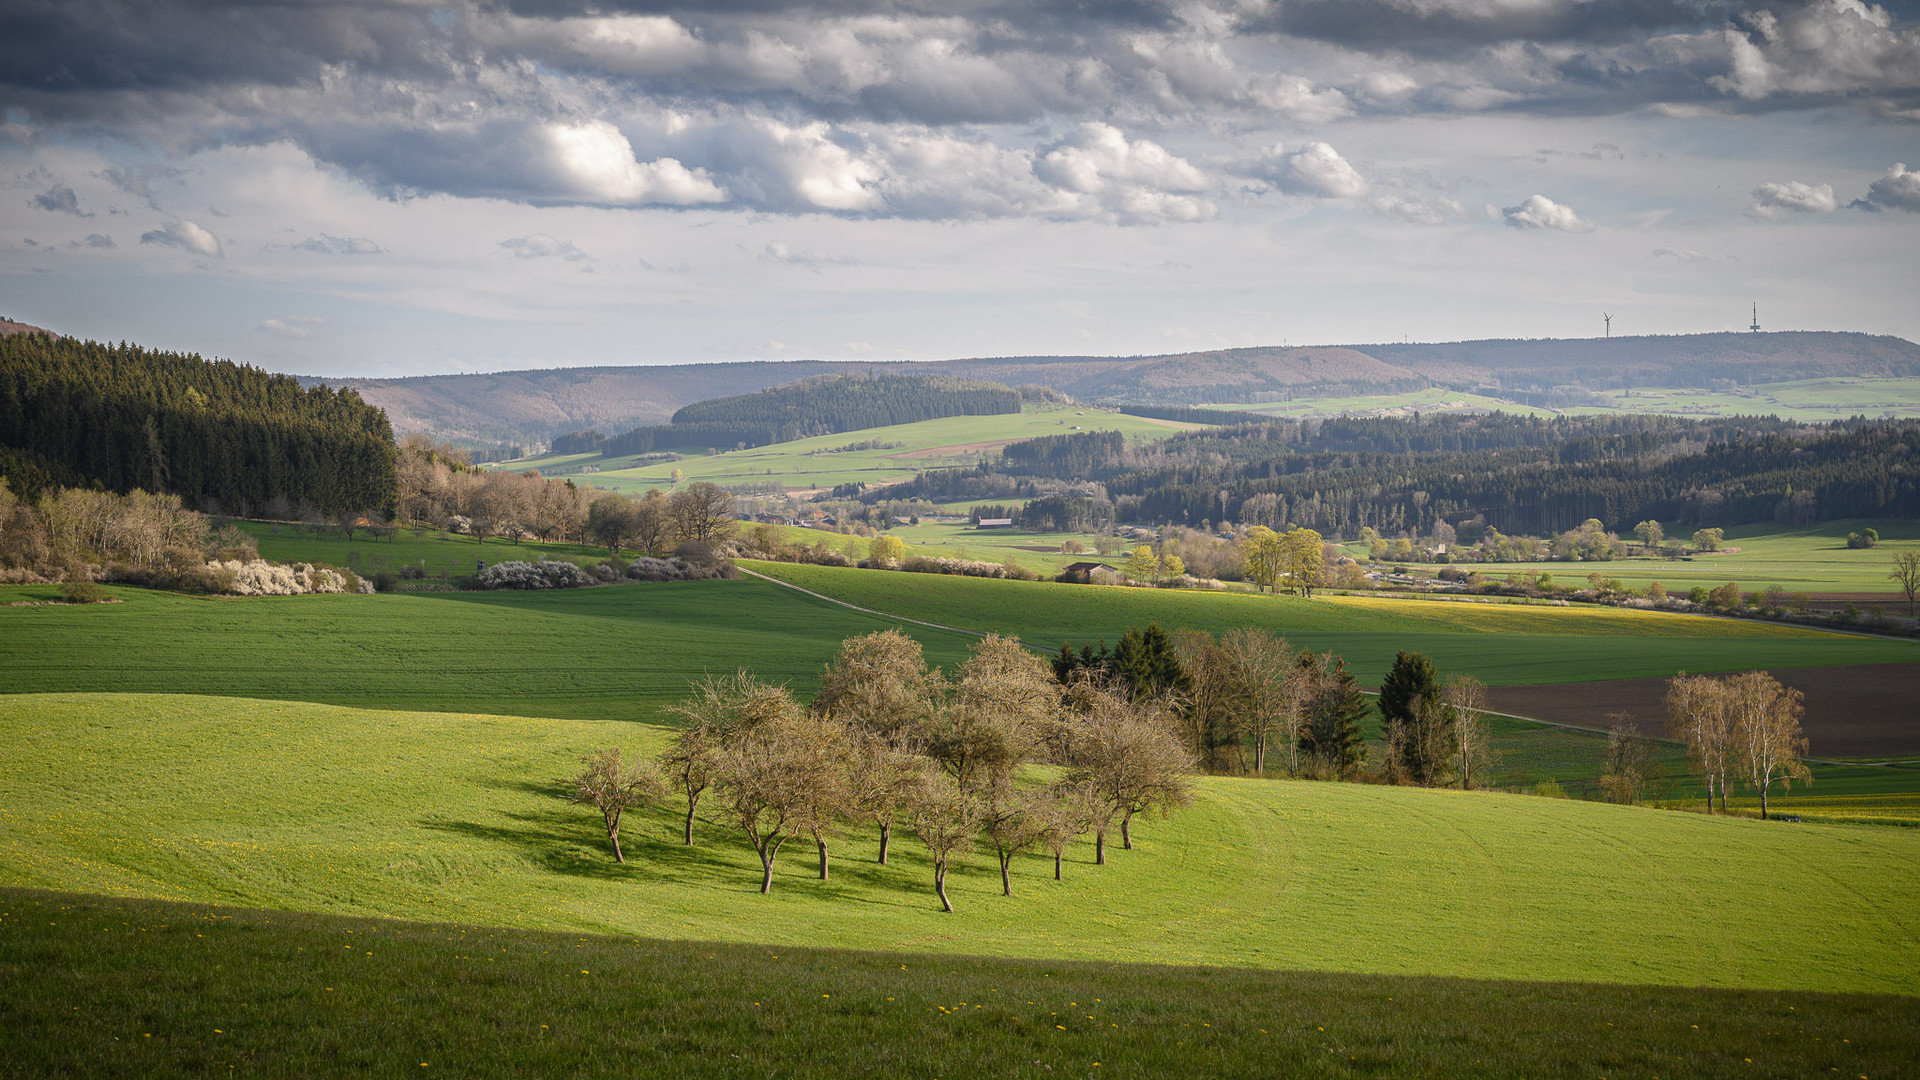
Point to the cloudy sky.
(392, 187)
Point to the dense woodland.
(823, 405)
(217, 434)
(1519, 475)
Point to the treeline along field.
(216, 433)
(1517, 474)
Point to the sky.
(391, 188)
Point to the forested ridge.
(822, 405)
(84, 413)
(1521, 474)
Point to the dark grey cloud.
(60, 199)
(1451, 27)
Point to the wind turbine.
(1609, 320)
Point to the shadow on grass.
(571, 842)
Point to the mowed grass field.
(457, 818)
(1501, 644)
(109, 987)
(813, 463)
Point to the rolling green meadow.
(327, 835)
(456, 817)
(1803, 399)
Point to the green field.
(1501, 644)
(105, 987)
(457, 818)
(1812, 559)
(1804, 399)
(618, 652)
(808, 464)
(1433, 399)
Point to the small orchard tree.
(1013, 822)
(946, 819)
(1063, 812)
(689, 764)
(1126, 752)
(613, 787)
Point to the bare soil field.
(1856, 711)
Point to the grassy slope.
(1499, 643)
(617, 652)
(453, 817)
(806, 463)
(1803, 399)
(144, 989)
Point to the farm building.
(995, 523)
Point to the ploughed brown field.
(1855, 711)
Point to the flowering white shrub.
(545, 574)
(930, 564)
(257, 577)
(676, 568)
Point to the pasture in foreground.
(114, 987)
(457, 818)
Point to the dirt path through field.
(1853, 711)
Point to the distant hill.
(8, 328)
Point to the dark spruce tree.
(1332, 742)
(1410, 702)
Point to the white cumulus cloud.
(186, 236)
(543, 246)
(1314, 169)
(595, 163)
(1898, 190)
(1540, 212)
(1774, 200)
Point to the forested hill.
(822, 405)
(1520, 475)
(79, 413)
(531, 406)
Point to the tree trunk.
(1260, 756)
(1100, 847)
(613, 834)
(821, 843)
(690, 805)
(1126, 837)
(766, 866)
(1006, 880)
(1763, 801)
(886, 834)
(940, 884)
(1056, 866)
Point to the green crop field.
(1501, 644)
(458, 818)
(615, 652)
(110, 987)
(813, 463)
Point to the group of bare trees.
(67, 531)
(888, 742)
(1744, 726)
(438, 487)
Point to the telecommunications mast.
(1756, 319)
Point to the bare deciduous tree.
(689, 764)
(1264, 685)
(1630, 765)
(1467, 697)
(613, 787)
(1697, 715)
(1766, 727)
(1906, 571)
(1063, 813)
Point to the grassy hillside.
(814, 463)
(1800, 399)
(1498, 643)
(436, 553)
(183, 989)
(453, 817)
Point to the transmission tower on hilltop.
(1756, 319)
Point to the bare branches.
(614, 787)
